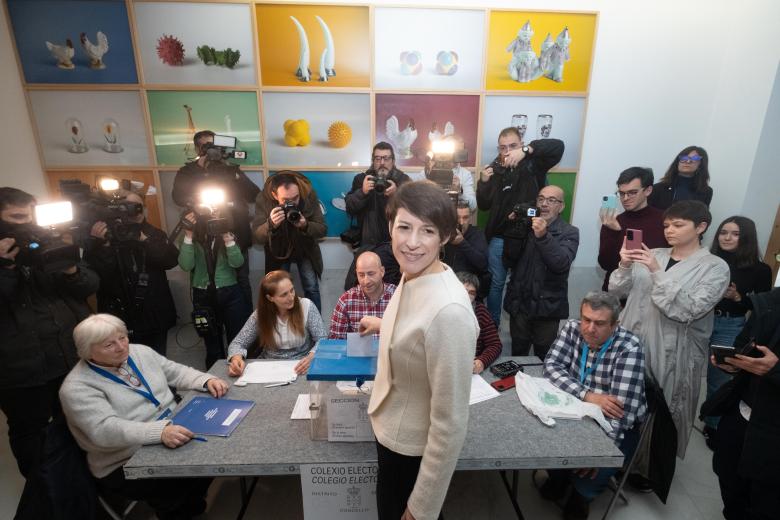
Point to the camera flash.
(108, 184)
(212, 196)
(443, 146)
(55, 213)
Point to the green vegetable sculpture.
(210, 56)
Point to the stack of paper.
(481, 390)
(301, 409)
(268, 372)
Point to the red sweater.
(648, 219)
(488, 343)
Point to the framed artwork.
(331, 188)
(410, 122)
(74, 41)
(177, 115)
(89, 128)
(313, 45)
(536, 117)
(194, 43)
(428, 48)
(540, 51)
(317, 129)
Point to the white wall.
(667, 74)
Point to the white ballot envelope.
(361, 346)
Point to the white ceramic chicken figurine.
(62, 53)
(95, 52)
(402, 140)
(435, 134)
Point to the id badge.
(165, 414)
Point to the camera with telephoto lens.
(291, 212)
(207, 218)
(96, 206)
(222, 149)
(39, 247)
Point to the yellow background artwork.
(279, 44)
(503, 29)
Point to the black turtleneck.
(752, 279)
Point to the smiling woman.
(419, 405)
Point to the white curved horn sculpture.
(330, 63)
(303, 72)
(323, 70)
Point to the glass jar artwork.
(520, 121)
(543, 126)
(76, 136)
(111, 136)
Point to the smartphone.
(504, 384)
(633, 239)
(749, 348)
(721, 352)
(609, 201)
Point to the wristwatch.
(525, 149)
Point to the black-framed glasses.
(382, 158)
(627, 194)
(689, 158)
(548, 200)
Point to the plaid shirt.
(621, 372)
(352, 306)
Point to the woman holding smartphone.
(420, 402)
(736, 242)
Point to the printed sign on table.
(339, 491)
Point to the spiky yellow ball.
(339, 134)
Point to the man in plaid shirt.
(611, 375)
(368, 298)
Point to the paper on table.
(268, 372)
(481, 390)
(301, 409)
(361, 346)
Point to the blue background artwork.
(331, 187)
(37, 21)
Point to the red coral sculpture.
(170, 50)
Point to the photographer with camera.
(289, 223)
(370, 192)
(538, 294)
(461, 185)
(514, 177)
(38, 313)
(131, 256)
(467, 249)
(211, 169)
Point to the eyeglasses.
(689, 158)
(627, 194)
(548, 200)
(510, 146)
(129, 376)
(382, 158)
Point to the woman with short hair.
(117, 399)
(420, 401)
(284, 326)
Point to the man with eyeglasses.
(514, 177)
(370, 192)
(634, 187)
(537, 297)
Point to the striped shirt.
(621, 372)
(488, 343)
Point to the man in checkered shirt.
(612, 377)
(368, 298)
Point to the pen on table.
(201, 439)
(277, 384)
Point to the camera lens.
(630, 235)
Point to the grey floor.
(472, 495)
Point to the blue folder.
(209, 416)
(331, 363)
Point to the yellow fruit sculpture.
(339, 134)
(296, 132)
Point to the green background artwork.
(230, 113)
(565, 180)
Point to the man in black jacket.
(289, 238)
(203, 173)
(514, 177)
(538, 294)
(370, 192)
(467, 250)
(747, 441)
(38, 313)
(133, 283)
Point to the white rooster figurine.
(435, 134)
(95, 52)
(62, 53)
(401, 139)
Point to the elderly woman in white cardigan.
(117, 398)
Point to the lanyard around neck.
(108, 375)
(585, 373)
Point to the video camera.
(95, 206)
(210, 214)
(223, 148)
(444, 158)
(42, 247)
(523, 214)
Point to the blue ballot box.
(339, 391)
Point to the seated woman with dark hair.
(117, 399)
(284, 326)
(488, 343)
